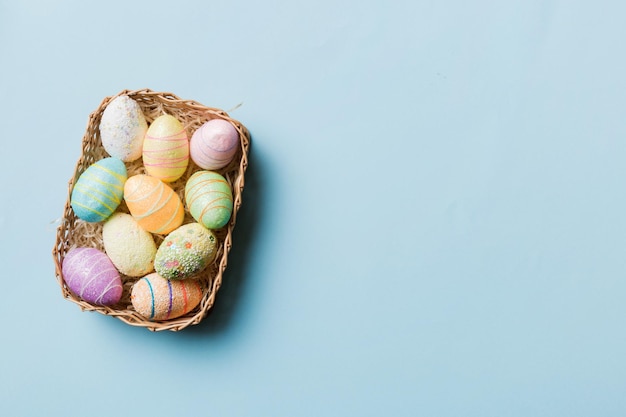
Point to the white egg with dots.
(123, 128)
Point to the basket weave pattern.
(73, 232)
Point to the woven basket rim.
(234, 172)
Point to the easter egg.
(214, 144)
(91, 275)
(99, 190)
(166, 149)
(157, 298)
(128, 245)
(186, 251)
(153, 204)
(209, 199)
(123, 128)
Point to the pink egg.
(214, 144)
(91, 275)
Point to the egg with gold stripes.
(98, 191)
(166, 149)
(209, 199)
(153, 204)
(157, 298)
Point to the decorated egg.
(166, 149)
(209, 199)
(123, 128)
(214, 144)
(128, 245)
(99, 190)
(91, 275)
(185, 252)
(157, 298)
(154, 205)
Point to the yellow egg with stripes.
(98, 191)
(153, 204)
(209, 199)
(157, 298)
(166, 149)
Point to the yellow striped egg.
(155, 205)
(157, 298)
(209, 199)
(166, 149)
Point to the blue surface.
(433, 222)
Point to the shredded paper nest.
(73, 232)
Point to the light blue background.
(433, 222)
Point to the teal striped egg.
(209, 199)
(99, 190)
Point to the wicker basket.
(73, 232)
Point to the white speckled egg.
(123, 128)
(128, 245)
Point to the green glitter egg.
(209, 199)
(185, 252)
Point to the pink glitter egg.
(91, 275)
(214, 144)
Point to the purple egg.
(91, 275)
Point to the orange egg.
(153, 204)
(157, 298)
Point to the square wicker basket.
(73, 232)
